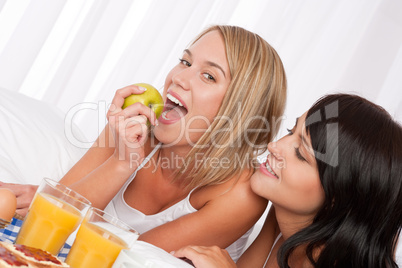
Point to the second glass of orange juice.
(55, 212)
(99, 240)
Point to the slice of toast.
(33, 257)
(9, 260)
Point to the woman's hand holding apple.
(129, 126)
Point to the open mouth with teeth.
(267, 170)
(270, 170)
(173, 110)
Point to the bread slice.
(9, 260)
(33, 257)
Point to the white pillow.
(33, 143)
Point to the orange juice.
(48, 224)
(94, 247)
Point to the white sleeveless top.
(143, 223)
(272, 248)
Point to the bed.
(33, 141)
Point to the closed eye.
(298, 155)
(297, 150)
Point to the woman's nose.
(183, 78)
(273, 147)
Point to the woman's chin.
(256, 182)
(260, 182)
(168, 135)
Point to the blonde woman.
(188, 182)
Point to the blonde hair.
(255, 100)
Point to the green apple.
(151, 98)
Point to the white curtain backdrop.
(78, 52)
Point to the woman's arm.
(254, 256)
(220, 221)
(120, 122)
(97, 175)
(99, 152)
(103, 170)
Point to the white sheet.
(33, 143)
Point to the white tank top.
(143, 223)
(272, 248)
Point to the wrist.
(127, 165)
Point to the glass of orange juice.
(55, 212)
(99, 240)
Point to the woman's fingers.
(206, 257)
(133, 129)
(120, 95)
(24, 194)
(124, 92)
(140, 109)
(132, 111)
(139, 119)
(189, 252)
(136, 130)
(130, 134)
(129, 126)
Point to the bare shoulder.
(224, 213)
(236, 189)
